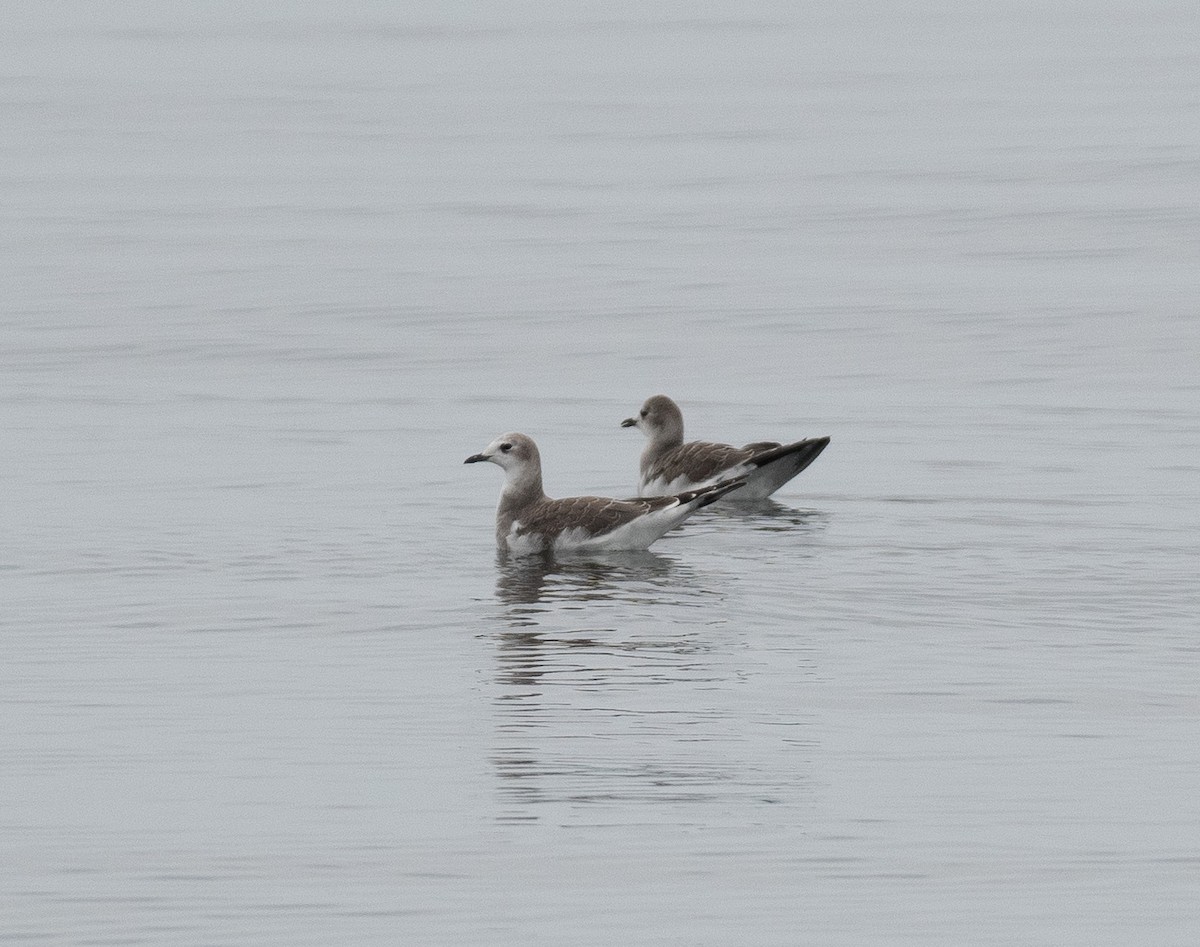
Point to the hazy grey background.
(270, 273)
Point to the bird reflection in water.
(544, 596)
(531, 580)
(616, 675)
(578, 637)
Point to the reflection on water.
(599, 661)
(530, 580)
(557, 611)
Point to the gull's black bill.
(629, 422)
(474, 459)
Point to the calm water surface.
(268, 277)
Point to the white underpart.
(524, 545)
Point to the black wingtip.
(804, 452)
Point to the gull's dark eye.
(506, 447)
(644, 412)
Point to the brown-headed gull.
(669, 465)
(528, 521)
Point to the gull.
(528, 521)
(669, 465)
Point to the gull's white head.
(515, 453)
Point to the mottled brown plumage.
(668, 464)
(595, 514)
(698, 461)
